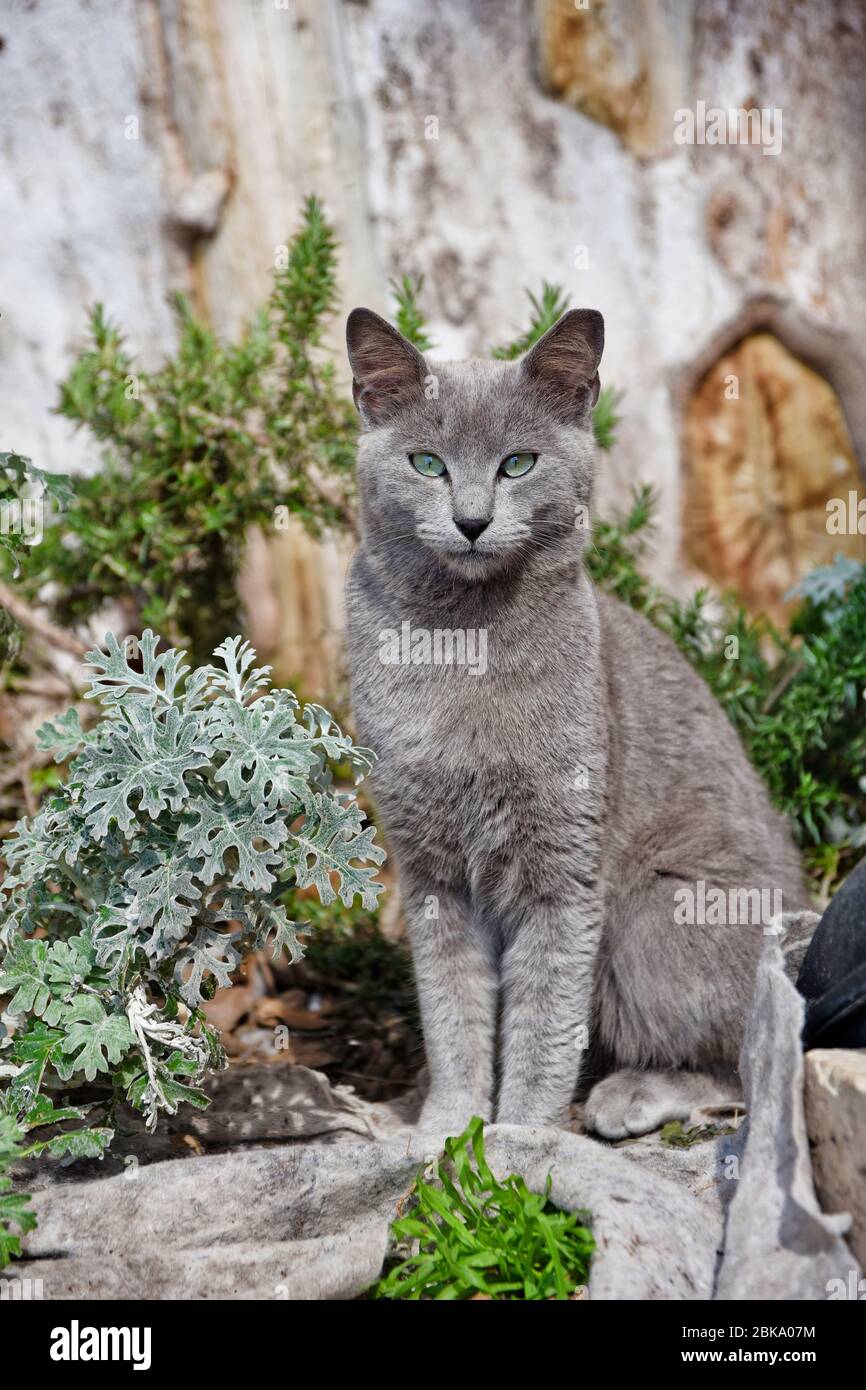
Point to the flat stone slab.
(287, 1187)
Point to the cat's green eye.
(517, 464)
(430, 465)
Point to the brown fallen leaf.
(229, 1006)
(187, 1141)
(273, 1011)
(310, 1053)
(305, 1020)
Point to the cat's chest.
(452, 783)
(464, 704)
(467, 753)
(479, 713)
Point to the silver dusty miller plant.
(189, 811)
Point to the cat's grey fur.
(542, 813)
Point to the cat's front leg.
(457, 991)
(548, 974)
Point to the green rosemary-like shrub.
(216, 440)
(796, 698)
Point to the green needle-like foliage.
(407, 311)
(194, 453)
(467, 1235)
(605, 417)
(797, 699)
(546, 308)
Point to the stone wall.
(486, 144)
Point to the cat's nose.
(472, 526)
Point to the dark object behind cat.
(833, 975)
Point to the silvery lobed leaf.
(230, 904)
(827, 582)
(27, 851)
(61, 831)
(76, 1143)
(274, 930)
(337, 746)
(145, 758)
(115, 936)
(64, 737)
(165, 899)
(328, 843)
(241, 683)
(72, 963)
(265, 763)
(216, 829)
(209, 953)
(42, 1111)
(113, 679)
(66, 830)
(93, 1039)
(24, 975)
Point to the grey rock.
(300, 1205)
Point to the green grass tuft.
(467, 1235)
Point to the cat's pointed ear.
(564, 363)
(387, 370)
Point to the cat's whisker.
(387, 545)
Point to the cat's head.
(475, 467)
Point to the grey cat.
(556, 782)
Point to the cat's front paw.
(443, 1117)
(629, 1103)
(533, 1116)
